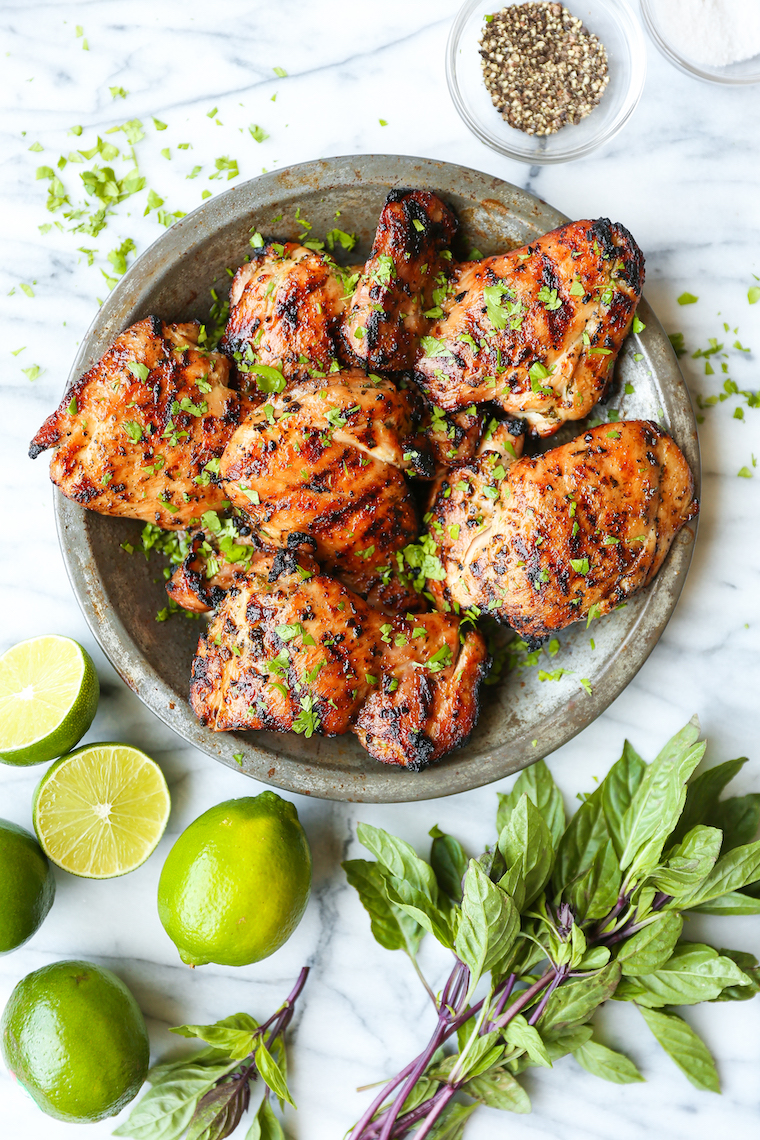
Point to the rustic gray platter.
(522, 719)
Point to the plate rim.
(379, 783)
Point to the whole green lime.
(235, 884)
(74, 1037)
(27, 886)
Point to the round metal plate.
(521, 719)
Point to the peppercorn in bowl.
(544, 82)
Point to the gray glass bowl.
(741, 74)
(620, 32)
(120, 594)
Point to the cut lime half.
(100, 811)
(48, 698)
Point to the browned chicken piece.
(200, 582)
(538, 330)
(290, 649)
(327, 460)
(386, 315)
(453, 437)
(463, 504)
(284, 307)
(135, 435)
(583, 526)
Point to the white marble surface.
(683, 176)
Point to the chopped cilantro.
(549, 298)
(258, 134)
(133, 430)
(580, 565)
(280, 72)
(118, 92)
(638, 325)
(687, 299)
(141, 371)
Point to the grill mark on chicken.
(125, 446)
(614, 500)
(603, 258)
(284, 307)
(385, 317)
(347, 667)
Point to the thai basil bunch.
(557, 918)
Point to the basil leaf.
(538, 784)
(607, 1064)
(219, 1111)
(488, 925)
(482, 1054)
(449, 863)
(748, 965)
(658, 802)
(526, 841)
(238, 1043)
(423, 1089)
(618, 789)
(694, 973)
(166, 1110)
(584, 835)
(498, 1089)
(271, 1074)
(207, 1065)
(687, 1049)
(595, 893)
(391, 927)
(690, 862)
(573, 1003)
(450, 1124)
(563, 1041)
(703, 792)
(732, 872)
(738, 819)
(399, 858)
(266, 1126)
(524, 1036)
(418, 906)
(650, 948)
(733, 903)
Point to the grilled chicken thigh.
(536, 330)
(134, 435)
(291, 649)
(386, 314)
(586, 524)
(327, 460)
(284, 306)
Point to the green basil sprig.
(205, 1096)
(560, 916)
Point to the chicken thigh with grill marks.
(536, 330)
(134, 435)
(291, 649)
(386, 314)
(284, 308)
(584, 525)
(328, 460)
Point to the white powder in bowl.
(715, 32)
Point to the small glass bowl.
(734, 74)
(620, 32)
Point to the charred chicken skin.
(292, 650)
(284, 307)
(386, 314)
(538, 330)
(328, 460)
(584, 525)
(134, 435)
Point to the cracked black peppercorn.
(542, 68)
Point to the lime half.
(100, 811)
(48, 697)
